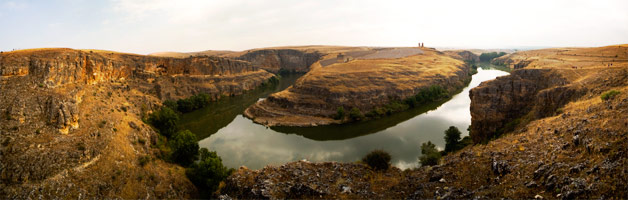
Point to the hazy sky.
(145, 26)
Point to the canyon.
(72, 121)
(542, 132)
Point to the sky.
(147, 26)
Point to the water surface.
(239, 141)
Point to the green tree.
(185, 105)
(486, 57)
(452, 136)
(355, 114)
(165, 120)
(208, 172)
(200, 100)
(184, 148)
(377, 159)
(171, 104)
(340, 113)
(430, 154)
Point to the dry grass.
(579, 58)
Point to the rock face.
(362, 84)
(63, 114)
(498, 102)
(71, 120)
(550, 79)
(276, 60)
(464, 55)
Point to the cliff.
(276, 60)
(365, 84)
(550, 78)
(71, 120)
(463, 55)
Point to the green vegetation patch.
(378, 160)
(609, 95)
(208, 172)
(486, 57)
(430, 155)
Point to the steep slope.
(550, 78)
(71, 123)
(463, 55)
(365, 84)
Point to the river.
(222, 128)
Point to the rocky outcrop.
(276, 60)
(56, 67)
(527, 94)
(464, 55)
(62, 113)
(497, 102)
(543, 82)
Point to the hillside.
(71, 120)
(560, 58)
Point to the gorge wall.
(71, 120)
(276, 60)
(543, 82)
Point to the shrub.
(200, 100)
(165, 120)
(102, 124)
(430, 154)
(143, 160)
(141, 141)
(452, 136)
(208, 172)
(340, 113)
(80, 146)
(485, 57)
(377, 159)
(466, 141)
(609, 94)
(185, 105)
(427, 95)
(171, 104)
(394, 106)
(355, 114)
(184, 148)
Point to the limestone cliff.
(550, 78)
(464, 55)
(275, 60)
(71, 120)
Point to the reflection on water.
(239, 141)
(208, 120)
